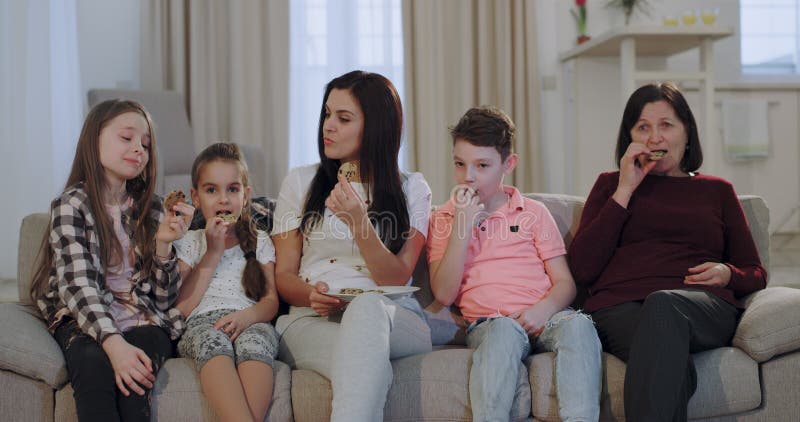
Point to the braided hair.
(253, 280)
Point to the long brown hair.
(380, 146)
(87, 169)
(253, 280)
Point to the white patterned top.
(225, 290)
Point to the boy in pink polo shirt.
(500, 258)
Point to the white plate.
(392, 292)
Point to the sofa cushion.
(177, 395)
(771, 323)
(24, 399)
(728, 383)
(428, 386)
(27, 348)
(31, 234)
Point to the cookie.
(657, 155)
(228, 217)
(349, 170)
(173, 198)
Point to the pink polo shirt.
(504, 268)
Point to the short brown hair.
(486, 126)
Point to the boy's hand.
(532, 319)
(467, 205)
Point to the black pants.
(656, 338)
(92, 376)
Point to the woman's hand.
(323, 304)
(235, 322)
(132, 366)
(216, 229)
(467, 206)
(633, 167)
(346, 203)
(173, 227)
(709, 274)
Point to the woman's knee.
(661, 303)
(367, 305)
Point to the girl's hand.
(323, 304)
(532, 319)
(346, 203)
(216, 230)
(467, 206)
(235, 322)
(173, 227)
(132, 366)
(633, 167)
(709, 274)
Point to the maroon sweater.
(670, 225)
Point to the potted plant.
(580, 20)
(628, 6)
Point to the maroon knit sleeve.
(601, 225)
(741, 255)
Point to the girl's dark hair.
(253, 281)
(86, 168)
(667, 91)
(380, 145)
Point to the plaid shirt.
(77, 279)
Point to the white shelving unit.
(601, 74)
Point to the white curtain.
(329, 39)
(41, 111)
(465, 53)
(231, 61)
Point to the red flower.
(580, 3)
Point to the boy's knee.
(505, 327)
(578, 326)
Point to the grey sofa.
(757, 379)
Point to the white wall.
(108, 38)
(557, 34)
(33, 158)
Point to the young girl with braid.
(228, 293)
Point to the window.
(329, 39)
(770, 36)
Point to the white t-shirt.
(225, 290)
(329, 252)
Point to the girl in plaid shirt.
(108, 277)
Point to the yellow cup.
(709, 16)
(670, 21)
(689, 18)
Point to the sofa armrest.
(27, 348)
(770, 324)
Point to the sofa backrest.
(566, 211)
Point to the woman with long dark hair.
(352, 221)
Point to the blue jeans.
(500, 344)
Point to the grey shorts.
(202, 341)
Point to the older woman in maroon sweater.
(666, 254)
